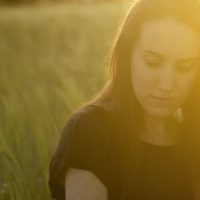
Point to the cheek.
(186, 86)
(142, 76)
(142, 82)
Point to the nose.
(166, 79)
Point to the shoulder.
(83, 145)
(89, 110)
(88, 124)
(90, 116)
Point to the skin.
(160, 88)
(84, 185)
(164, 68)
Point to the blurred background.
(52, 59)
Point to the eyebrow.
(189, 59)
(153, 53)
(162, 56)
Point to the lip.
(163, 101)
(163, 98)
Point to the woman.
(139, 138)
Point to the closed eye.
(152, 62)
(152, 59)
(186, 66)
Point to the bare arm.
(84, 185)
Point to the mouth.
(163, 101)
(163, 98)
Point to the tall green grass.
(52, 59)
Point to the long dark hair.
(117, 96)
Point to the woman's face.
(164, 66)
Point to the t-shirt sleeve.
(83, 145)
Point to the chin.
(161, 112)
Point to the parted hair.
(117, 95)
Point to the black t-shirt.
(87, 143)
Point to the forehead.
(169, 37)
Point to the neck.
(160, 131)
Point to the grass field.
(52, 59)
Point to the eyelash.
(186, 68)
(181, 67)
(153, 64)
